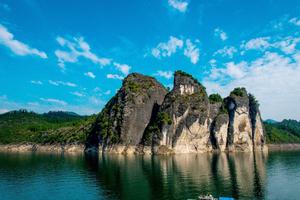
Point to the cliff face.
(120, 126)
(144, 118)
(187, 108)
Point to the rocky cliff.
(144, 118)
(120, 126)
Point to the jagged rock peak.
(186, 84)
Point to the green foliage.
(54, 127)
(163, 118)
(239, 91)
(275, 134)
(215, 98)
(253, 102)
(133, 87)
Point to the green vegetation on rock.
(215, 98)
(239, 91)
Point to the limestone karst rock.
(120, 125)
(143, 117)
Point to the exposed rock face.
(186, 109)
(144, 118)
(120, 126)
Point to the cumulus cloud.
(54, 101)
(114, 76)
(179, 5)
(220, 34)
(165, 74)
(90, 74)
(122, 68)
(17, 47)
(58, 83)
(272, 78)
(166, 49)
(76, 48)
(191, 51)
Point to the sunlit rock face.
(186, 108)
(245, 131)
(143, 117)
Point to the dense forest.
(58, 127)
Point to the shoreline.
(80, 148)
(20, 148)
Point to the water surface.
(275, 175)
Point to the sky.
(72, 56)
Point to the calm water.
(244, 176)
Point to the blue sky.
(58, 55)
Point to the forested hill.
(23, 126)
(287, 131)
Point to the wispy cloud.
(53, 101)
(90, 74)
(295, 21)
(221, 34)
(227, 51)
(191, 51)
(75, 48)
(58, 83)
(17, 47)
(165, 74)
(78, 94)
(36, 82)
(114, 76)
(179, 5)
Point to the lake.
(275, 175)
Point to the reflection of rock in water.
(241, 175)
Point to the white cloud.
(191, 51)
(226, 51)
(166, 49)
(179, 5)
(165, 74)
(75, 49)
(108, 92)
(260, 43)
(122, 67)
(77, 94)
(16, 46)
(114, 76)
(295, 21)
(213, 62)
(36, 82)
(58, 83)
(220, 34)
(53, 101)
(272, 78)
(90, 74)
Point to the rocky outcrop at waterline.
(143, 117)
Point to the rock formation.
(144, 118)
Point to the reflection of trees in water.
(241, 175)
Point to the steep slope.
(120, 126)
(182, 120)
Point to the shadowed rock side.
(144, 118)
(120, 126)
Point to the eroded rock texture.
(144, 118)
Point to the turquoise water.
(55, 177)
